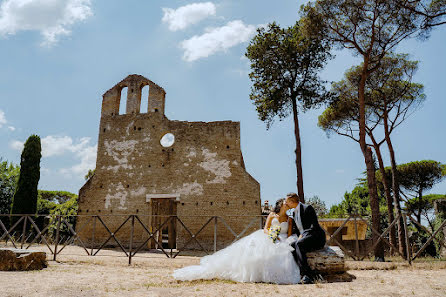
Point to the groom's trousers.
(310, 241)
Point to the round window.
(167, 140)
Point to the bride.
(254, 258)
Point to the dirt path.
(109, 275)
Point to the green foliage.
(285, 65)
(59, 197)
(89, 174)
(441, 236)
(25, 197)
(387, 176)
(390, 86)
(426, 203)
(421, 175)
(415, 176)
(419, 237)
(55, 203)
(432, 12)
(424, 207)
(69, 210)
(9, 175)
(371, 28)
(318, 205)
(358, 201)
(389, 95)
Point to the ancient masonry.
(201, 174)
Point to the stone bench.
(330, 264)
(21, 260)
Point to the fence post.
(23, 232)
(92, 235)
(215, 234)
(131, 239)
(408, 256)
(57, 237)
(356, 237)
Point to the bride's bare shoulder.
(272, 215)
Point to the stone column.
(133, 98)
(156, 99)
(110, 102)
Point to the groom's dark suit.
(313, 236)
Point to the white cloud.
(216, 40)
(88, 160)
(61, 145)
(45, 171)
(54, 145)
(52, 18)
(16, 145)
(3, 120)
(182, 17)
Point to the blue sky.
(58, 57)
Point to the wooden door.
(162, 208)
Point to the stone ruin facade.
(201, 174)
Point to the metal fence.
(25, 231)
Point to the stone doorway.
(162, 208)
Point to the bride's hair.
(278, 206)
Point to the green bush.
(53, 203)
(9, 174)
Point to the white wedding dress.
(254, 258)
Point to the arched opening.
(144, 99)
(123, 101)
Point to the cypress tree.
(25, 196)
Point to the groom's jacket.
(309, 222)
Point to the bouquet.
(274, 232)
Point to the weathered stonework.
(21, 260)
(202, 173)
(330, 264)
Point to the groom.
(310, 234)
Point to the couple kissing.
(302, 231)
(276, 254)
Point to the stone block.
(21, 260)
(330, 264)
(328, 260)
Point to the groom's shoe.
(305, 280)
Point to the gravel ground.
(108, 274)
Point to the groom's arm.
(311, 215)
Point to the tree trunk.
(396, 188)
(367, 153)
(392, 235)
(420, 198)
(298, 151)
(374, 204)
